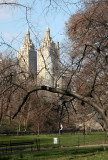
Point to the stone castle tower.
(48, 61)
(27, 57)
(44, 61)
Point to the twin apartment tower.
(44, 62)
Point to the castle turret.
(47, 36)
(27, 56)
(28, 36)
(47, 60)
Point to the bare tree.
(86, 73)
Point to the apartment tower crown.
(44, 61)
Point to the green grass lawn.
(63, 140)
(69, 140)
(96, 153)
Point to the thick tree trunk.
(38, 129)
(106, 128)
(25, 124)
(19, 126)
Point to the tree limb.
(97, 49)
(60, 91)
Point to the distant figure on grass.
(61, 128)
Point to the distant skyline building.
(48, 61)
(27, 57)
(44, 62)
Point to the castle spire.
(28, 35)
(27, 29)
(47, 37)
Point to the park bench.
(11, 146)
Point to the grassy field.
(96, 153)
(65, 140)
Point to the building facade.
(48, 61)
(44, 61)
(27, 57)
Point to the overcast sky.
(13, 24)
